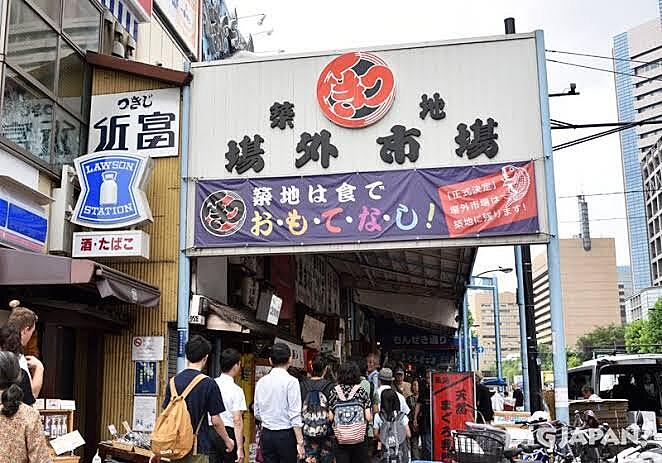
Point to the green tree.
(635, 334)
(602, 337)
(510, 368)
(573, 359)
(652, 332)
(547, 358)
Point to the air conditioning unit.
(60, 230)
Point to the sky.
(584, 26)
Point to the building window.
(47, 82)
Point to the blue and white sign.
(22, 227)
(480, 349)
(112, 190)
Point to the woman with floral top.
(22, 437)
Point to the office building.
(589, 283)
(638, 305)
(638, 52)
(624, 288)
(482, 308)
(652, 178)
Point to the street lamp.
(494, 287)
(500, 269)
(268, 32)
(259, 21)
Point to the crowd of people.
(360, 413)
(22, 437)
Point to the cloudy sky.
(585, 26)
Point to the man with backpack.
(315, 414)
(278, 406)
(190, 397)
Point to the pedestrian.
(371, 390)
(414, 441)
(202, 398)
(518, 395)
(392, 429)
(10, 341)
(350, 407)
(278, 406)
(234, 402)
(316, 415)
(372, 361)
(400, 384)
(483, 400)
(422, 420)
(22, 437)
(24, 321)
(386, 382)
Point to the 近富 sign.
(144, 122)
(418, 144)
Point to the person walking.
(277, 406)
(24, 321)
(386, 382)
(10, 341)
(392, 429)
(203, 398)
(414, 441)
(422, 420)
(372, 360)
(400, 384)
(518, 395)
(350, 409)
(234, 402)
(22, 437)
(316, 416)
(483, 401)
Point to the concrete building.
(652, 178)
(482, 308)
(624, 288)
(590, 289)
(638, 53)
(638, 305)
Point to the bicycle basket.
(477, 447)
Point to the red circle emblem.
(356, 89)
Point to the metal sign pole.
(553, 248)
(524, 355)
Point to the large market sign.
(425, 143)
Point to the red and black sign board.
(452, 406)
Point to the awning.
(19, 268)
(246, 319)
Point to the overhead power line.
(611, 71)
(611, 193)
(590, 55)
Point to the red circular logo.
(356, 89)
(223, 213)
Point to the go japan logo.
(356, 89)
(223, 213)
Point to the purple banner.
(450, 202)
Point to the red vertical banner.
(452, 406)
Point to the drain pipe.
(184, 265)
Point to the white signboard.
(297, 353)
(67, 443)
(147, 348)
(145, 122)
(144, 413)
(274, 310)
(122, 243)
(448, 111)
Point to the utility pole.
(535, 381)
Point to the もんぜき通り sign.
(418, 143)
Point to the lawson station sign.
(429, 143)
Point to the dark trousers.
(217, 453)
(353, 453)
(278, 446)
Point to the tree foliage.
(645, 335)
(573, 359)
(635, 333)
(602, 337)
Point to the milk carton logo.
(112, 190)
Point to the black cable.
(611, 193)
(611, 58)
(603, 70)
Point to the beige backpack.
(173, 435)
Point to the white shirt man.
(234, 402)
(278, 406)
